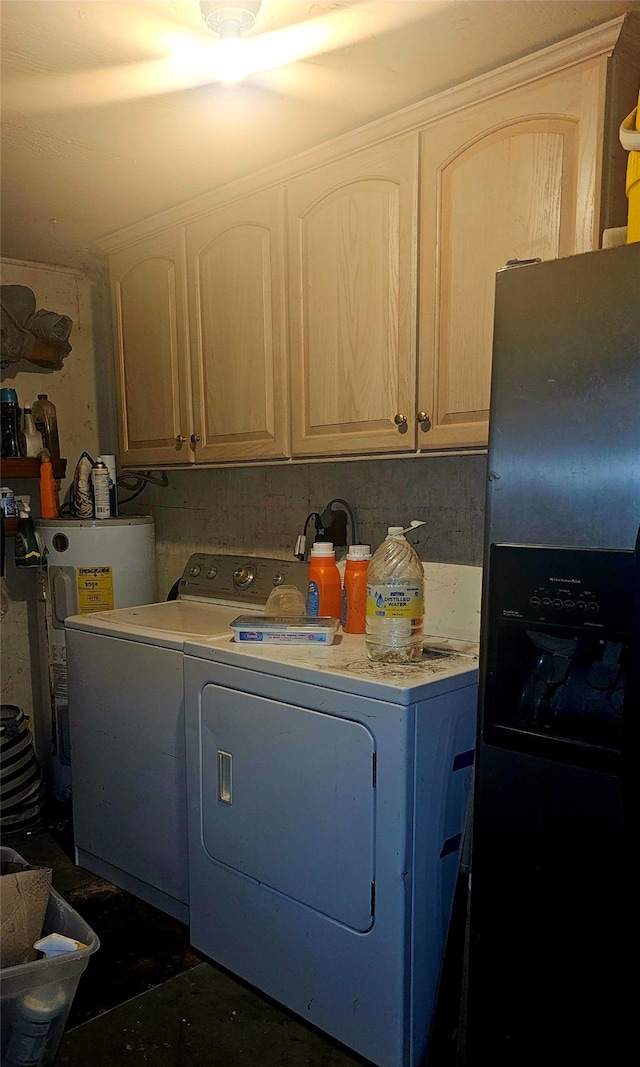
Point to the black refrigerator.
(553, 906)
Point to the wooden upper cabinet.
(235, 259)
(341, 303)
(352, 227)
(513, 177)
(152, 373)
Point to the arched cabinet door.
(514, 177)
(352, 229)
(235, 263)
(151, 348)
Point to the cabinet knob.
(195, 437)
(180, 439)
(401, 422)
(424, 420)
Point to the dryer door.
(287, 798)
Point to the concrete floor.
(201, 1016)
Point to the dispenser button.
(535, 600)
(569, 605)
(546, 602)
(593, 607)
(557, 603)
(581, 606)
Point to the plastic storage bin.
(35, 998)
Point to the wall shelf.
(24, 467)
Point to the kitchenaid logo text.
(566, 581)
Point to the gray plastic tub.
(35, 998)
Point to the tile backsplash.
(261, 510)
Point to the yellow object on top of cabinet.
(630, 139)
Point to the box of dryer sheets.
(285, 629)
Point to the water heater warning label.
(95, 589)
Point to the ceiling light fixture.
(228, 19)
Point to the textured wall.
(262, 509)
(83, 392)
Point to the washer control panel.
(244, 579)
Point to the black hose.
(173, 592)
(339, 500)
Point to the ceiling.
(101, 127)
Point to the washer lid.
(179, 618)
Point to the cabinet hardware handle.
(424, 420)
(195, 437)
(180, 439)
(401, 421)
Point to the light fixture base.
(217, 13)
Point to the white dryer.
(326, 803)
(126, 709)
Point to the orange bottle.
(354, 593)
(325, 589)
(49, 498)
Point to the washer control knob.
(243, 577)
(211, 572)
(195, 570)
(278, 579)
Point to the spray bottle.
(100, 482)
(49, 498)
(26, 548)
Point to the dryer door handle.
(225, 789)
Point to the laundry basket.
(22, 786)
(35, 998)
(630, 139)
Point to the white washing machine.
(326, 802)
(126, 708)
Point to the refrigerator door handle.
(629, 784)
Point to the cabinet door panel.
(152, 372)
(511, 178)
(520, 171)
(235, 262)
(352, 302)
